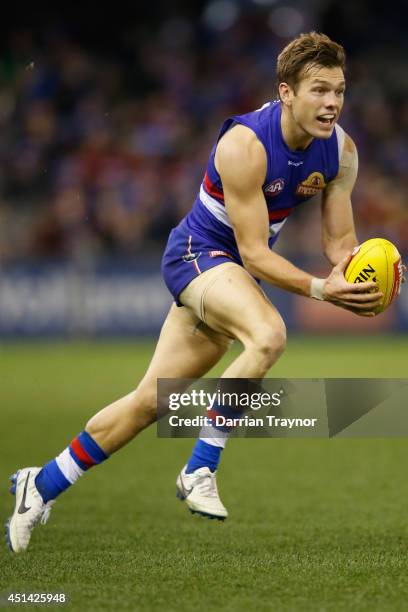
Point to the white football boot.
(29, 509)
(199, 491)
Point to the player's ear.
(285, 93)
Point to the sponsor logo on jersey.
(275, 188)
(292, 163)
(219, 254)
(312, 185)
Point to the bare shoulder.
(349, 156)
(239, 150)
(348, 169)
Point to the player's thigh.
(187, 347)
(232, 303)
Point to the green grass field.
(314, 524)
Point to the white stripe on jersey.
(276, 227)
(341, 135)
(217, 209)
(68, 466)
(219, 212)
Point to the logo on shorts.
(191, 257)
(275, 188)
(312, 185)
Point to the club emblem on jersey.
(275, 188)
(191, 257)
(312, 185)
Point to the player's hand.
(360, 298)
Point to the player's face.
(317, 101)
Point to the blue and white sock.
(212, 440)
(60, 473)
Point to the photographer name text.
(268, 420)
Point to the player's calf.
(117, 424)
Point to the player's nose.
(330, 100)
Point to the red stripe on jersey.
(279, 215)
(212, 189)
(81, 453)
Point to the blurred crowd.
(103, 150)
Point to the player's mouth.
(327, 120)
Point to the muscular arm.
(338, 233)
(241, 162)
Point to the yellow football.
(377, 260)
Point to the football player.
(263, 165)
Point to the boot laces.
(47, 511)
(42, 516)
(208, 485)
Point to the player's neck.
(293, 135)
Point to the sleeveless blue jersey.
(292, 177)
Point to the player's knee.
(269, 342)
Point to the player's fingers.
(360, 298)
(356, 288)
(358, 306)
(362, 307)
(361, 313)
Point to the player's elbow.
(335, 248)
(334, 251)
(331, 254)
(250, 259)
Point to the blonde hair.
(305, 51)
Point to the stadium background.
(107, 117)
(107, 121)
